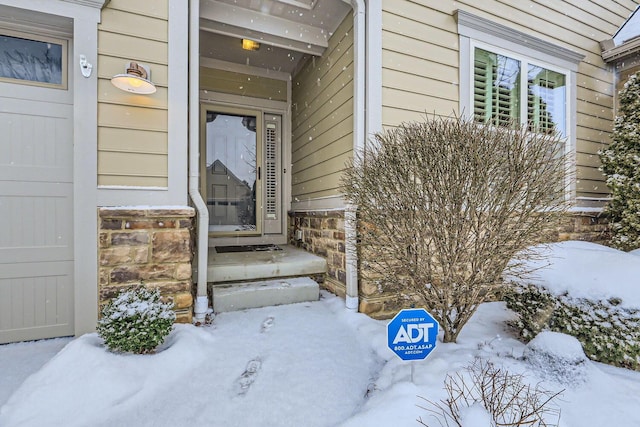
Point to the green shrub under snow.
(136, 321)
(620, 163)
(608, 331)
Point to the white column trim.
(373, 69)
(178, 112)
(85, 170)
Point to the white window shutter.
(481, 89)
(272, 208)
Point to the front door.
(242, 172)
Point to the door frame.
(235, 103)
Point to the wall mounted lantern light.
(136, 79)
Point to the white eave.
(625, 42)
(280, 31)
(612, 53)
(98, 4)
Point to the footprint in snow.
(267, 324)
(249, 375)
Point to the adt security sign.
(412, 334)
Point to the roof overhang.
(630, 49)
(289, 30)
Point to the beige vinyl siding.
(420, 46)
(420, 62)
(234, 83)
(132, 129)
(322, 118)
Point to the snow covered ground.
(309, 364)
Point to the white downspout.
(350, 227)
(202, 240)
(359, 26)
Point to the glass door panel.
(232, 172)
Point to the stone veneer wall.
(152, 246)
(323, 235)
(585, 226)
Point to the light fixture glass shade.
(134, 80)
(250, 44)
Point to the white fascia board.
(264, 38)
(303, 4)
(625, 50)
(262, 23)
(244, 69)
(98, 4)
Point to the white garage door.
(36, 200)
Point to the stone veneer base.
(322, 233)
(584, 226)
(147, 245)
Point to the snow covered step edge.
(241, 296)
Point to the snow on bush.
(558, 357)
(136, 321)
(485, 395)
(621, 165)
(588, 291)
(475, 416)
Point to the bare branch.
(507, 398)
(444, 205)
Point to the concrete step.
(263, 265)
(241, 296)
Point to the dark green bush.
(136, 321)
(620, 165)
(608, 331)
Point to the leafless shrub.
(443, 205)
(506, 397)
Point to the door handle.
(259, 173)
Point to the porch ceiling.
(288, 30)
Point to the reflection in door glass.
(231, 172)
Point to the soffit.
(288, 30)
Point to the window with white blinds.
(499, 98)
(496, 88)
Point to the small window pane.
(547, 93)
(496, 88)
(31, 60)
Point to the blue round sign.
(412, 334)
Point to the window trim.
(475, 27)
(474, 30)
